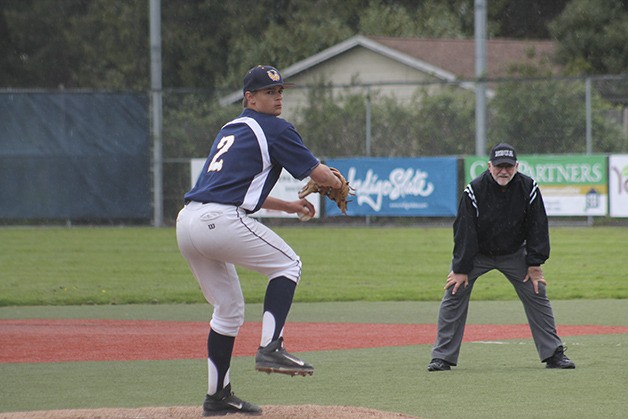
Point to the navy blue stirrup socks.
(278, 300)
(219, 350)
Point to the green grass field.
(52, 266)
(374, 275)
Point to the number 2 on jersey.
(223, 146)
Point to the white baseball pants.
(215, 237)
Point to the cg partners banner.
(403, 187)
(571, 185)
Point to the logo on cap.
(263, 77)
(273, 75)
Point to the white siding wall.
(358, 65)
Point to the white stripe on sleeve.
(469, 191)
(533, 193)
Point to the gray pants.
(452, 315)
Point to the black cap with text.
(503, 153)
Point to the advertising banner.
(618, 185)
(571, 185)
(287, 188)
(403, 187)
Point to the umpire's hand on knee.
(535, 273)
(456, 280)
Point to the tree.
(112, 38)
(288, 31)
(523, 19)
(333, 124)
(549, 117)
(592, 37)
(446, 122)
(210, 44)
(34, 48)
(428, 19)
(393, 126)
(438, 122)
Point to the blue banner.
(403, 187)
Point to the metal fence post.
(156, 106)
(587, 104)
(480, 74)
(369, 137)
(367, 104)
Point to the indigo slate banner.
(399, 187)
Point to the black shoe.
(225, 402)
(559, 360)
(275, 358)
(438, 364)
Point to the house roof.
(457, 56)
(445, 59)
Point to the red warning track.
(123, 340)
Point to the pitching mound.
(278, 412)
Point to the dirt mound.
(276, 412)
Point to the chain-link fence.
(536, 115)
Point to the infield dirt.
(113, 340)
(131, 340)
(275, 412)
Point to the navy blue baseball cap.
(262, 77)
(503, 153)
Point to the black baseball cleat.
(225, 402)
(275, 358)
(438, 364)
(559, 360)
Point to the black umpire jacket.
(494, 220)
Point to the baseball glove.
(339, 196)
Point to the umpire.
(501, 224)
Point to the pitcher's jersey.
(246, 160)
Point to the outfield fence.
(539, 116)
